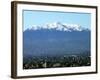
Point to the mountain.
(59, 27)
(56, 39)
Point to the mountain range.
(56, 39)
(59, 27)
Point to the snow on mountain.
(59, 26)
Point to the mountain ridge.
(59, 27)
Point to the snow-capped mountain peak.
(59, 26)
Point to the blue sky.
(42, 17)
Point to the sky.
(31, 17)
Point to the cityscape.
(54, 62)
